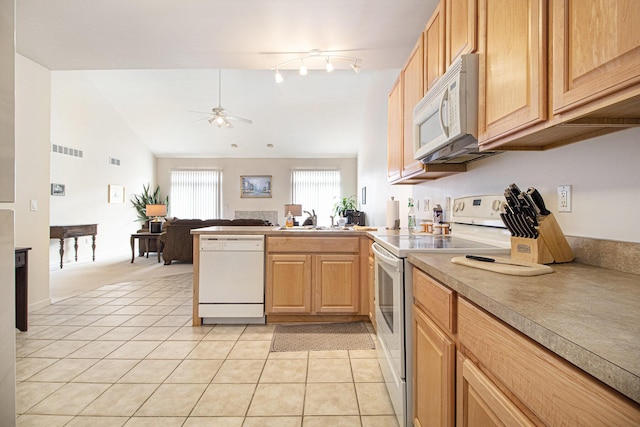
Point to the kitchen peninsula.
(310, 274)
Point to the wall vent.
(67, 151)
(114, 161)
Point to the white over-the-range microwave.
(446, 119)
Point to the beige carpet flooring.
(76, 278)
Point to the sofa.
(176, 241)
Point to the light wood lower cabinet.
(480, 403)
(288, 284)
(433, 370)
(502, 377)
(314, 282)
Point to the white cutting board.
(523, 269)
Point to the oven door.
(389, 311)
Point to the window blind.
(316, 189)
(195, 194)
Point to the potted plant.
(140, 202)
(344, 204)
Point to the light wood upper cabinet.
(596, 49)
(434, 36)
(512, 67)
(394, 131)
(460, 16)
(412, 93)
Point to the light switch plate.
(34, 205)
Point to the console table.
(22, 287)
(67, 231)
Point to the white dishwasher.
(231, 279)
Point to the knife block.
(550, 246)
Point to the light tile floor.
(127, 355)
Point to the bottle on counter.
(289, 222)
(411, 220)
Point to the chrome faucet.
(313, 218)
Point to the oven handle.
(385, 256)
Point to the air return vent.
(67, 151)
(113, 161)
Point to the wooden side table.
(22, 287)
(145, 237)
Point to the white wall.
(279, 169)
(82, 119)
(603, 172)
(33, 100)
(7, 185)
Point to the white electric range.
(476, 228)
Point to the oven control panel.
(478, 210)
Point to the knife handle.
(480, 258)
(538, 200)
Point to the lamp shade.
(296, 210)
(156, 210)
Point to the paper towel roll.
(393, 213)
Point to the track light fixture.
(329, 66)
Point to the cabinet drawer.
(439, 301)
(554, 390)
(313, 244)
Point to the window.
(195, 194)
(318, 190)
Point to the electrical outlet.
(564, 198)
(425, 205)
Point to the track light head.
(279, 78)
(329, 65)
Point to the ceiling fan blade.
(240, 119)
(200, 112)
(199, 120)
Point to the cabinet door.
(337, 283)
(596, 49)
(413, 91)
(394, 131)
(512, 68)
(434, 45)
(461, 21)
(433, 373)
(288, 284)
(481, 403)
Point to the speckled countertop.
(276, 231)
(587, 315)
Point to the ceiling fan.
(220, 116)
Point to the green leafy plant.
(140, 201)
(344, 204)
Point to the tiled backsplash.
(271, 216)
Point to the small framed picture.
(116, 193)
(363, 199)
(255, 186)
(57, 189)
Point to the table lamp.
(156, 211)
(296, 210)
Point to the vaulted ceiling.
(154, 61)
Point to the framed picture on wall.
(116, 193)
(57, 189)
(255, 186)
(363, 199)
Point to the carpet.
(321, 337)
